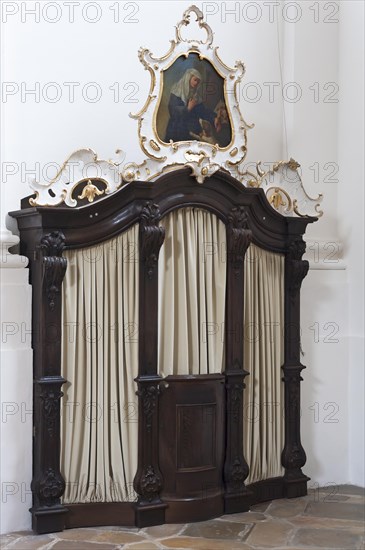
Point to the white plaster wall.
(318, 133)
(351, 218)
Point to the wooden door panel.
(191, 436)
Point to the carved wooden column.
(235, 468)
(48, 485)
(293, 456)
(150, 510)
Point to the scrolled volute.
(54, 265)
(152, 236)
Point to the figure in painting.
(189, 117)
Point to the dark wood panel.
(196, 436)
(191, 446)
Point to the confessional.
(166, 336)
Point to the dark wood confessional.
(176, 479)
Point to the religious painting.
(192, 104)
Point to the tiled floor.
(331, 518)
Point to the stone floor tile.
(203, 544)
(269, 534)
(326, 538)
(7, 539)
(167, 530)
(260, 507)
(100, 535)
(149, 545)
(33, 542)
(244, 517)
(339, 510)
(118, 528)
(215, 529)
(330, 497)
(351, 490)
(355, 527)
(285, 508)
(82, 545)
(118, 537)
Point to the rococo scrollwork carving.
(52, 246)
(152, 236)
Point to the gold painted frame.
(203, 157)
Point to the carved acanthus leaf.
(151, 484)
(51, 487)
(152, 236)
(148, 396)
(240, 237)
(50, 396)
(54, 265)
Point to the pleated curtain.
(263, 356)
(99, 424)
(192, 282)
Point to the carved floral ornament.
(211, 133)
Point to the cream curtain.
(100, 361)
(99, 430)
(192, 282)
(264, 355)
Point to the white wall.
(351, 218)
(318, 54)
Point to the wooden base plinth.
(191, 510)
(51, 520)
(296, 487)
(148, 515)
(237, 502)
(48, 519)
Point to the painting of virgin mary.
(193, 107)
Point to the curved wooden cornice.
(93, 223)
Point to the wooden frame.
(46, 231)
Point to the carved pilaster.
(48, 485)
(293, 456)
(236, 469)
(150, 510)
